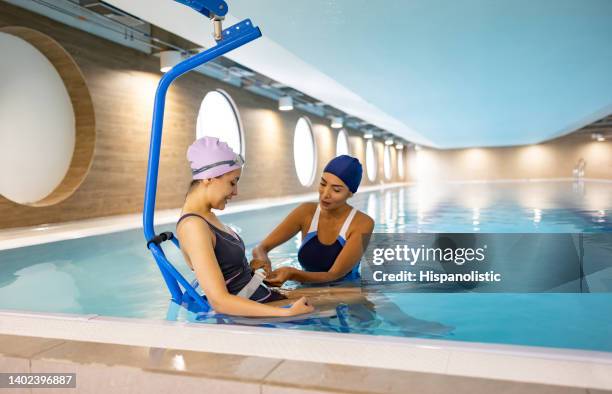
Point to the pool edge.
(565, 367)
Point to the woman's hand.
(261, 260)
(280, 276)
(257, 264)
(300, 307)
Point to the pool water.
(114, 274)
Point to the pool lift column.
(226, 40)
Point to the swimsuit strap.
(314, 224)
(347, 223)
(212, 226)
(188, 215)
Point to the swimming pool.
(114, 274)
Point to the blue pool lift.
(181, 291)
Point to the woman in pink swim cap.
(212, 250)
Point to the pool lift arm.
(226, 40)
(213, 9)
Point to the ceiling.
(444, 73)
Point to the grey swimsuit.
(230, 254)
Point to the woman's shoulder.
(306, 208)
(303, 214)
(192, 224)
(363, 221)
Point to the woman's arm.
(281, 234)
(196, 242)
(350, 255)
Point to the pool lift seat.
(233, 37)
(181, 291)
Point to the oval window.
(304, 152)
(387, 163)
(371, 164)
(400, 164)
(342, 144)
(218, 117)
(37, 123)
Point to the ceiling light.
(417, 147)
(368, 135)
(168, 59)
(389, 141)
(285, 103)
(337, 122)
(399, 146)
(598, 137)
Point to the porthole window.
(304, 152)
(400, 164)
(387, 163)
(342, 144)
(218, 117)
(371, 165)
(46, 141)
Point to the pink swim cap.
(209, 158)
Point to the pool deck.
(102, 368)
(342, 352)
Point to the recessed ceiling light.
(168, 59)
(337, 122)
(285, 103)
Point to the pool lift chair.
(182, 292)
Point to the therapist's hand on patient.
(279, 276)
(258, 263)
(300, 307)
(261, 260)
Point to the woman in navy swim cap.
(332, 230)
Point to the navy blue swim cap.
(346, 168)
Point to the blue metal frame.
(233, 37)
(207, 7)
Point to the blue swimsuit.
(315, 256)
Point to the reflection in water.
(476, 219)
(537, 215)
(401, 205)
(41, 286)
(578, 187)
(371, 205)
